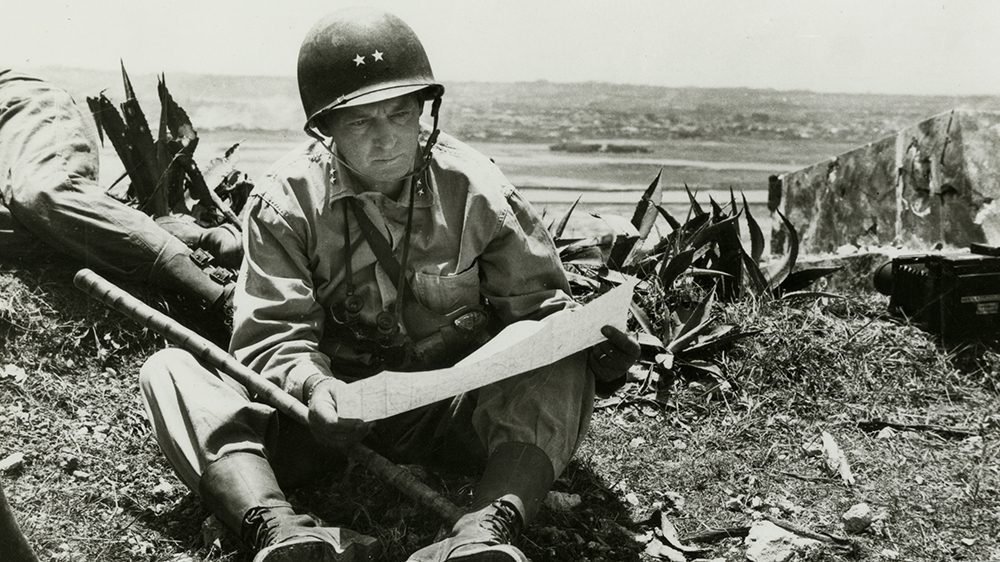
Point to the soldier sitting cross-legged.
(381, 244)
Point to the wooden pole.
(118, 299)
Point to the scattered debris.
(836, 461)
(858, 518)
(12, 462)
(561, 501)
(163, 489)
(716, 535)
(670, 535)
(952, 432)
(843, 543)
(767, 542)
(663, 541)
(657, 549)
(675, 500)
(11, 371)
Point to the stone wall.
(937, 182)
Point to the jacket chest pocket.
(447, 293)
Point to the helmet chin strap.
(425, 156)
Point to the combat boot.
(242, 492)
(516, 480)
(223, 242)
(179, 273)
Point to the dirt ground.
(722, 453)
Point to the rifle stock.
(208, 353)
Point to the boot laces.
(259, 527)
(503, 522)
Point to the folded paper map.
(519, 348)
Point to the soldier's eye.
(400, 117)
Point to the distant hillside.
(548, 111)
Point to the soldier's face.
(379, 139)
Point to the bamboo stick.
(118, 299)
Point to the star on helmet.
(358, 60)
(377, 55)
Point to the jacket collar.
(341, 183)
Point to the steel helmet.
(360, 55)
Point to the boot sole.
(311, 550)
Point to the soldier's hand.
(325, 423)
(611, 359)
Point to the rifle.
(207, 352)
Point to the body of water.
(552, 181)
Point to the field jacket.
(474, 241)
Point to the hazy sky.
(911, 46)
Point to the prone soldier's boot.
(516, 480)
(242, 492)
(223, 242)
(181, 274)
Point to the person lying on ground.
(51, 200)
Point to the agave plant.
(164, 177)
(700, 264)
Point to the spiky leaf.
(786, 265)
(674, 223)
(756, 234)
(695, 207)
(560, 227)
(672, 269)
(758, 282)
(697, 322)
(799, 280)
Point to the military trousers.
(49, 193)
(199, 415)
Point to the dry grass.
(94, 486)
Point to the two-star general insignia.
(360, 59)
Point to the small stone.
(889, 554)
(674, 499)
(632, 498)
(787, 506)
(163, 489)
(560, 501)
(678, 444)
(12, 462)
(15, 372)
(637, 442)
(968, 542)
(81, 475)
(886, 433)
(858, 518)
